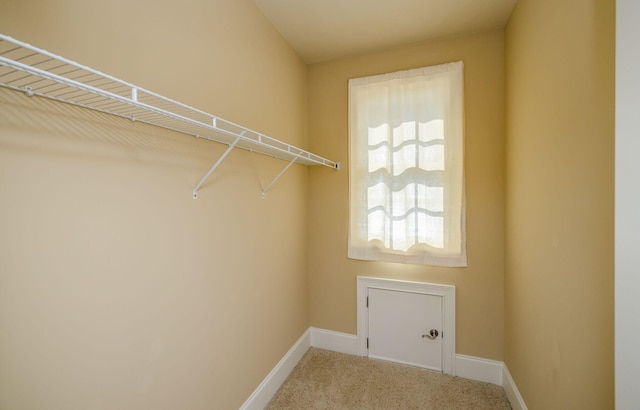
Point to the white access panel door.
(403, 326)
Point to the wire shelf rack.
(34, 71)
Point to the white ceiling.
(322, 30)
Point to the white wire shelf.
(34, 71)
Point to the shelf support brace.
(213, 168)
(264, 191)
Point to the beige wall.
(332, 276)
(559, 265)
(117, 289)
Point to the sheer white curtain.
(406, 135)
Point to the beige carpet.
(329, 380)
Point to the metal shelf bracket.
(213, 168)
(268, 187)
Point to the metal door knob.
(433, 333)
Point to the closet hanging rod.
(34, 71)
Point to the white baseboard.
(517, 403)
(468, 367)
(334, 341)
(476, 368)
(270, 385)
(490, 371)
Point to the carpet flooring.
(330, 380)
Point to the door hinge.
(367, 342)
(367, 301)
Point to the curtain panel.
(406, 166)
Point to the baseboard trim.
(334, 341)
(479, 369)
(468, 367)
(270, 385)
(510, 388)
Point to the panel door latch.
(433, 333)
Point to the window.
(406, 132)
